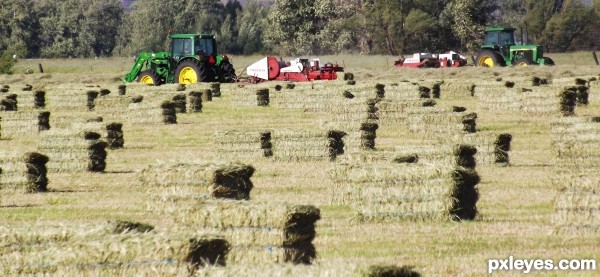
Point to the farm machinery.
(297, 70)
(192, 58)
(500, 49)
(429, 60)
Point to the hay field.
(523, 205)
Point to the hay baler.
(429, 60)
(297, 70)
(192, 58)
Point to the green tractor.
(192, 58)
(500, 49)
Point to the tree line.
(102, 28)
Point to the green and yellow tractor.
(500, 49)
(192, 58)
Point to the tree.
(573, 21)
(251, 23)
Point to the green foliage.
(88, 28)
(6, 63)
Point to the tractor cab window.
(204, 46)
(491, 38)
(507, 38)
(181, 47)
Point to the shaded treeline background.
(101, 28)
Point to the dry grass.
(516, 205)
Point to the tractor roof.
(191, 36)
(499, 29)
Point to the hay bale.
(39, 99)
(424, 92)
(180, 103)
(436, 89)
(287, 231)
(104, 92)
(206, 95)
(230, 180)
(412, 158)
(580, 82)
(97, 156)
(8, 105)
(168, 112)
(95, 119)
(215, 89)
(509, 84)
(262, 97)
(502, 146)
(390, 191)
(469, 122)
(265, 144)
(348, 95)
(207, 251)
(91, 98)
(348, 76)
(278, 87)
(121, 226)
(568, 100)
(582, 95)
(458, 109)
(429, 103)
(380, 91)
(122, 89)
(368, 135)
(390, 271)
(137, 99)
(114, 135)
(195, 101)
(465, 193)
(336, 143)
(465, 156)
(37, 180)
(99, 252)
(44, 121)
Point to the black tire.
(489, 58)
(227, 73)
(149, 77)
(548, 61)
(523, 62)
(189, 72)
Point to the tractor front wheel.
(148, 77)
(227, 74)
(488, 58)
(190, 72)
(523, 62)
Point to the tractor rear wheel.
(523, 62)
(227, 72)
(489, 58)
(148, 77)
(190, 72)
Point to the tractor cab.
(500, 39)
(190, 45)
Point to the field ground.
(515, 206)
